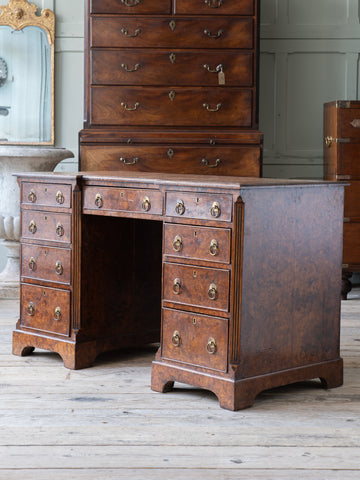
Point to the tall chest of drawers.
(171, 86)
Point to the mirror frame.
(19, 14)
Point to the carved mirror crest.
(26, 74)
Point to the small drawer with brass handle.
(215, 7)
(202, 206)
(51, 226)
(131, 7)
(196, 286)
(200, 243)
(45, 309)
(43, 194)
(45, 263)
(195, 339)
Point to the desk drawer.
(123, 200)
(202, 206)
(45, 309)
(195, 339)
(49, 195)
(45, 263)
(196, 286)
(215, 7)
(55, 227)
(135, 7)
(168, 32)
(202, 243)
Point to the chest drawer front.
(215, 7)
(55, 227)
(136, 7)
(352, 200)
(45, 309)
(186, 32)
(142, 67)
(195, 339)
(123, 200)
(241, 161)
(350, 123)
(172, 107)
(49, 195)
(349, 160)
(196, 286)
(202, 206)
(45, 263)
(202, 243)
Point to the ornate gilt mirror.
(26, 74)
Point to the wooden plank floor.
(105, 423)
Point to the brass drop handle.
(216, 35)
(213, 3)
(59, 230)
(127, 34)
(217, 69)
(176, 339)
(177, 244)
(205, 162)
(146, 204)
(32, 227)
(328, 141)
(130, 109)
(98, 200)
(211, 346)
(59, 197)
(209, 109)
(30, 309)
(32, 264)
(127, 69)
(59, 269)
(131, 3)
(177, 286)
(130, 162)
(180, 207)
(215, 210)
(214, 247)
(32, 196)
(212, 292)
(57, 314)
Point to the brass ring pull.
(216, 35)
(217, 69)
(127, 69)
(180, 207)
(130, 109)
(214, 3)
(59, 269)
(32, 227)
(146, 204)
(214, 247)
(211, 346)
(59, 230)
(32, 264)
(132, 3)
(328, 141)
(177, 244)
(131, 162)
(30, 309)
(32, 196)
(57, 314)
(176, 339)
(59, 198)
(177, 286)
(98, 200)
(212, 292)
(209, 109)
(127, 34)
(215, 210)
(207, 164)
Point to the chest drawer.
(175, 67)
(202, 243)
(179, 32)
(215, 7)
(135, 7)
(171, 107)
(242, 161)
(45, 309)
(349, 159)
(202, 206)
(55, 227)
(196, 286)
(49, 195)
(45, 263)
(195, 339)
(349, 122)
(125, 200)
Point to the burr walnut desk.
(239, 278)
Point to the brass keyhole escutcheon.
(172, 25)
(172, 57)
(172, 95)
(170, 153)
(194, 273)
(194, 321)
